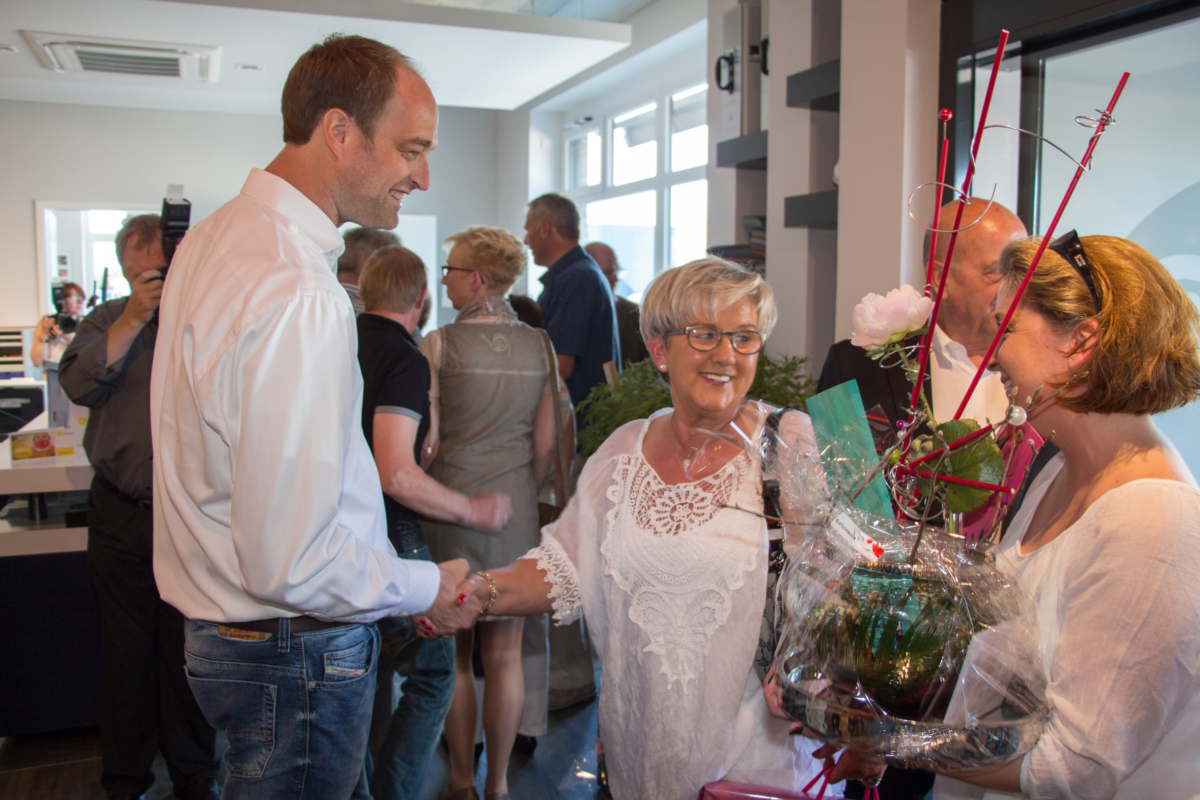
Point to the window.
(639, 169)
(583, 160)
(689, 130)
(635, 145)
(1146, 181)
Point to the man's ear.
(338, 129)
(547, 229)
(421, 297)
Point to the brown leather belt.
(296, 625)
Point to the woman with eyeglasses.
(663, 550)
(493, 403)
(49, 339)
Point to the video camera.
(65, 322)
(175, 219)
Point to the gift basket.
(904, 632)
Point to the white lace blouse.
(672, 585)
(1118, 603)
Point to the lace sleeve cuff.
(564, 583)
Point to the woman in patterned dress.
(663, 550)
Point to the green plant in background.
(639, 391)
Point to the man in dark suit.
(629, 316)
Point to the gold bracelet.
(491, 601)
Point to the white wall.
(109, 155)
(888, 145)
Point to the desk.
(51, 636)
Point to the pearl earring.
(663, 367)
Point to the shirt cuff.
(424, 580)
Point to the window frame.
(663, 180)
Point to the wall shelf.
(818, 88)
(818, 210)
(744, 152)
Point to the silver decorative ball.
(1016, 416)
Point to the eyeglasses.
(1070, 248)
(447, 269)
(706, 337)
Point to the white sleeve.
(570, 552)
(431, 346)
(291, 417)
(1127, 659)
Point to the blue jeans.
(427, 668)
(294, 707)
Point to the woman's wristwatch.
(491, 601)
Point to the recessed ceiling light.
(250, 67)
(8, 48)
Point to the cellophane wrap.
(931, 664)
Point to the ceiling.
(472, 58)
(603, 10)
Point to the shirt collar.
(371, 318)
(570, 257)
(949, 349)
(289, 202)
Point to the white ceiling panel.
(471, 58)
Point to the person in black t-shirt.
(396, 421)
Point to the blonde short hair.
(497, 255)
(1145, 355)
(702, 289)
(392, 280)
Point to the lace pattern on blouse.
(680, 556)
(564, 582)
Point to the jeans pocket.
(348, 664)
(246, 712)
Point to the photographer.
(146, 704)
(55, 331)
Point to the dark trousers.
(146, 705)
(897, 784)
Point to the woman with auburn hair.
(663, 550)
(1107, 541)
(493, 402)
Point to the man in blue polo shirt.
(576, 301)
(579, 315)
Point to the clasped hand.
(854, 765)
(458, 602)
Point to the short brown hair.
(353, 73)
(392, 280)
(1146, 350)
(497, 255)
(145, 227)
(561, 211)
(360, 244)
(69, 286)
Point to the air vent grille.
(98, 61)
(71, 53)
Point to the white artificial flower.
(880, 320)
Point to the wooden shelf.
(818, 88)
(744, 152)
(818, 210)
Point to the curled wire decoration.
(1104, 120)
(964, 198)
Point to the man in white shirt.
(269, 531)
(963, 332)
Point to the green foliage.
(640, 391)
(981, 460)
(783, 382)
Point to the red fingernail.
(462, 598)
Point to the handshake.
(460, 598)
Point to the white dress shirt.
(267, 502)
(951, 371)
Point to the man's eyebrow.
(424, 144)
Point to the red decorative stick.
(1046, 239)
(927, 341)
(960, 481)
(957, 443)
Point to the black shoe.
(525, 744)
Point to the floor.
(65, 765)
